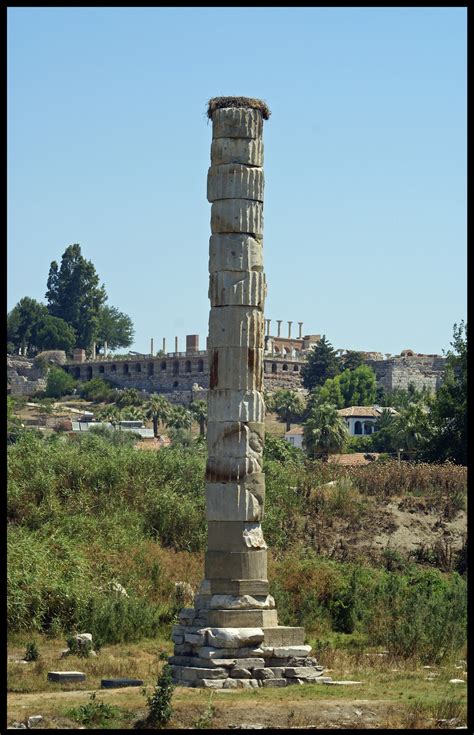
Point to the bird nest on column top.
(216, 103)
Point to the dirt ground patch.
(415, 533)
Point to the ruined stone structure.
(178, 372)
(418, 370)
(231, 637)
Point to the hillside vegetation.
(85, 515)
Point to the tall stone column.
(232, 634)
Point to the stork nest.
(216, 103)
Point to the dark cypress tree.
(323, 363)
(74, 294)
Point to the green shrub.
(82, 649)
(95, 712)
(59, 383)
(414, 613)
(279, 449)
(97, 390)
(31, 652)
(159, 703)
(422, 615)
(176, 520)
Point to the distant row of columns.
(279, 321)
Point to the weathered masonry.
(418, 370)
(231, 637)
(178, 371)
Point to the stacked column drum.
(231, 637)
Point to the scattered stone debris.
(254, 726)
(34, 720)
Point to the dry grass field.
(392, 694)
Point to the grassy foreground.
(85, 516)
(393, 693)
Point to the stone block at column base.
(242, 618)
(239, 587)
(283, 636)
(251, 564)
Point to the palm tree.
(325, 432)
(158, 409)
(110, 413)
(199, 412)
(383, 440)
(179, 418)
(133, 413)
(385, 421)
(411, 427)
(289, 406)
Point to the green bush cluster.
(95, 712)
(77, 511)
(83, 514)
(415, 613)
(98, 390)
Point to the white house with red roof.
(360, 420)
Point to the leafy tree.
(289, 406)
(180, 436)
(330, 392)
(53, 333)
(349, 388)
(13, 422)
(358, 387)
(199, 412)
(74, 294)
(278, 449)
(59, 383)
(322, 363)
(157, 409)
(114, 327)
(400, 398)
(352, 360)
(324, 432)
(448, 417)
(22, 324)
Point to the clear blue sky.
(365, 162)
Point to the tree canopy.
(349, 388)
(288, 405)
(448, 416)
(53, 333)
(113, 327)
(324, 431)
(322, 363)
(74, 294)
(23, 322)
